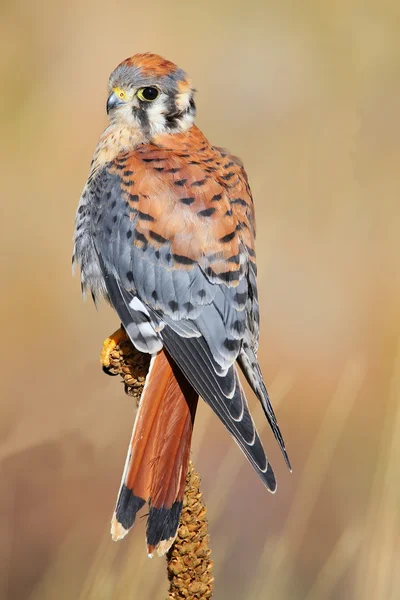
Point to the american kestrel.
(165, 232)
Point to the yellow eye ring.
(148, 94)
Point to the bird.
(165, 232)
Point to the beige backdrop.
(308, 94)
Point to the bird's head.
(152, 94)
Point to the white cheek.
(182, 101)
(156, 116)
(185, 123)
(125, 117)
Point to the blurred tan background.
(308, 94)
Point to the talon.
(109, 346)
(108, 371)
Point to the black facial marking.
(174, 115)
(173, 170)
(187, 201)
(228, 176)
(180, 182)
(198, 183)
(141, 115)
(133, 198)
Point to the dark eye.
(148, 94)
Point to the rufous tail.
(158, 456)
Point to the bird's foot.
(109, 346)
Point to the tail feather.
(156, 465)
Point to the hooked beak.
(113, 102)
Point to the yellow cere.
(120, 93)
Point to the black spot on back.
(198, 183)
(145, 216)
(228, 237)
(183, 260)
(157, 237)
(231, 345)
(207, 212)
(228, 176)
(173, 305)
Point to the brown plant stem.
(189, 566)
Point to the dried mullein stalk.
(188, 562)
(189, 565)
